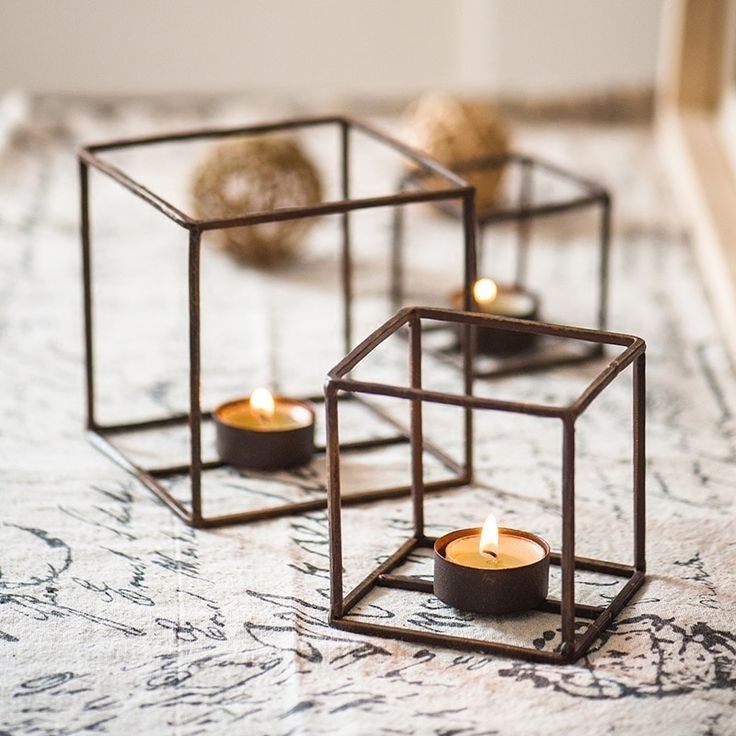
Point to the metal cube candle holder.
(103, 435)
(523, 212)
(573, 646)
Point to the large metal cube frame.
(523, 212)
(103, 435)
(573, 646)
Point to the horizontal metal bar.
(405, 582)
(582, 181)
(607, 616)
(437, 397)
(535, 211)
(551, 605)
(263, 514)
(413, 154)
(365, 347)
(418, 157)
(369, 581)
(350, 499)
(582, 610)
(521, 325)
(116, 455)
(185, 468)
(215, 132)
(494, 161)
(166, 471)
(372, 444)
(594, 565)
(335, 207)
(501, 159)
(444, 640)
(615, 367)
(159, 203)
(396, 491)
(433, 449)
(457, 186)
(537, 361)
(581, 563)
(144, 424)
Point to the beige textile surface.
(115, 617)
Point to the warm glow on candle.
(262, 403)
(485, 291)
(488, 544)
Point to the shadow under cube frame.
(103, 435)
(523, 212)
(572, 646)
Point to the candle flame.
(488, 544)
(485, 291)
(262, 403)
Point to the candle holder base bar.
(381, 577)
(632, 355)
(577, 195)
(103, 437)
(542, 355)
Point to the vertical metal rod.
(469, 335)
(397, 258)
(605, 235)
(87, 295)
(482, 267)
(334, 513)
(417, 434)
(568, 536)
(195, 370)
(640, 463)
(524, 223)
(347, 263)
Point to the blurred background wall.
(383, 48)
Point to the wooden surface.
(693, 101)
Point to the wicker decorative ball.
(454, 131)
(244, 175)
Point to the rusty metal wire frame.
(103, 435)
(573, 646)
(523, 213)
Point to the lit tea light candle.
(504, 301)
(491, 569)
(265, 432)
(501, 300)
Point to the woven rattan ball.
(245, 175)
(454, 131)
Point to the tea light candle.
(265, 432)
(517, 552)
(491, 569)
(502, 301)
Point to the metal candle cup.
(282, 441)
(501, 590)
(504, 301)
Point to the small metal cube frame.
(573, 645)
(103, 435)
(523, 212)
